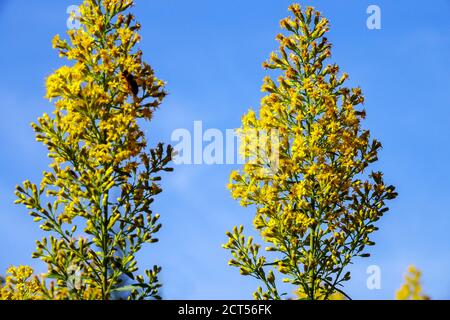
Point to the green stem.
(105, 251)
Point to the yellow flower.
(20, 285)
(412, 288)
(313, 196)
(98, 148)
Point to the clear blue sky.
(210, 53)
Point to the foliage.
(317, 205)
(95, 201)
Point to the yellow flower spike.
(96, 145)
(310, 192)
(412, 288)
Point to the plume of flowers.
(95, 201)
(317, 204)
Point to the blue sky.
(210, 53)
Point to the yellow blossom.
(316, 204)
(412, 288)
(98, 149)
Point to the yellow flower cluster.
(412, 288)
(21, 285)
(102, 178)
(316, 204)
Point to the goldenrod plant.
(20, 284)
(316, 207)
(95, 202)
(412, 288)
